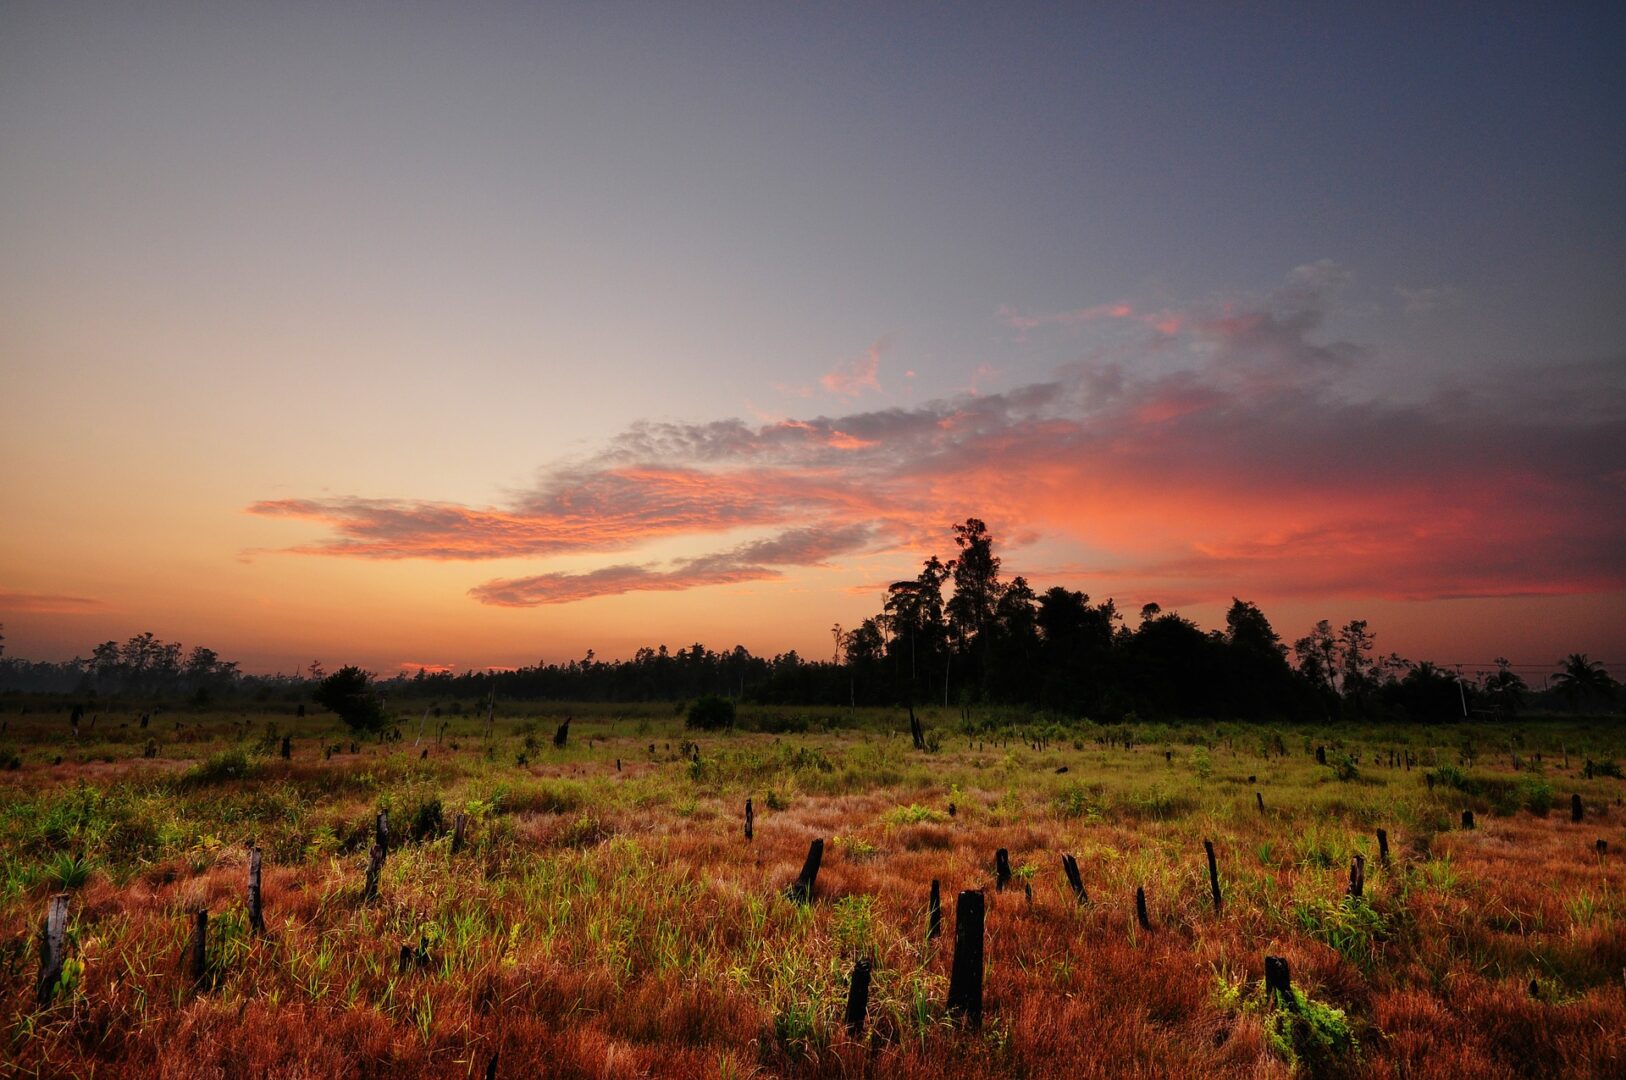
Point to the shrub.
(349, 692)
(711, 713)
(227, 765)
(67, 871)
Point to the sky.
(475, 335)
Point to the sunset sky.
(496, 333)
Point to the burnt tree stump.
(1576, 810)
(375, 867)
(256, 913)
(965, 976)
(1357, 876)
(1213, 874)
(1069, 866)
(916, 732)
(1383, 848)
(858, 998)
(934, 913)
(1279, 981)
(562, 736)
(801, 891)
(1467, 819)
(287, 748)
(750, 819)
(1321, 755)
(460, 825)
(1002, 869)
(197, 955)
(53, 949)
(1140, 908)
(1259, 797)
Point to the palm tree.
(1583, 680)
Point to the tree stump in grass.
(1467, 819)
(1383, 848)
(375, 867)
(1140, 908)
(562, 735)
(1602, 846)
(1259, 797)
(1279, 981)
(198, 966)
(1357, 876)
(965, 976)
(801, 891)
(934, 913)
(916, 732)
(857, 998)
(256, 914)
(381, 830)
(1213, 874)
(1069, 867)
(750, 819)
(1002, 869)
(1576, 810)
(1321, 755)
(287, 748)
(460, 824)
(53, 948)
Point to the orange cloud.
(853, 378)
(1254, 467)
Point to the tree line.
(956, 634)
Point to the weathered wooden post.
(198, 968)
(1002, 869)
(750, 818)
(1213, 874)
(1467, 819)
(1576, 812)
(375, 867)
(934, 913)
(562, 736)
(460, 824)
(1383, 848)
(617, 764)
(256, 914)
(287, 747)
(1259, 797)
(381, 829)
(801, 891)
(53, 948)
(1279, 981)
(965, 976)
(1140, 908)
(1069, 866)
(1357, 876)
(858, 998)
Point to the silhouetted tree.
(349, 693)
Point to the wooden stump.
(801, 891)
(375, 867)
(916, 732)
(1213, 874)
(858, 998)
(53, 948)
(1383, 848)
(1069, 866)
(460, 825)
(1321, 755)
(1602, 846)
(1259, 797)
(256, 914)
(1002, 869)
(1279, 981)
(1140, 908)
(1357, 876)
(287, 748)
(1467, 819)
(562, 736)
(934, 913)
(965, 976)
(198, 965)
(750, 818)
(1576, 810)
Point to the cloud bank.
(1214, 449)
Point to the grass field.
(606, 921)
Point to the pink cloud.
(851, 379)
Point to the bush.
(231, 764)
(349, 692)
(711, 713)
